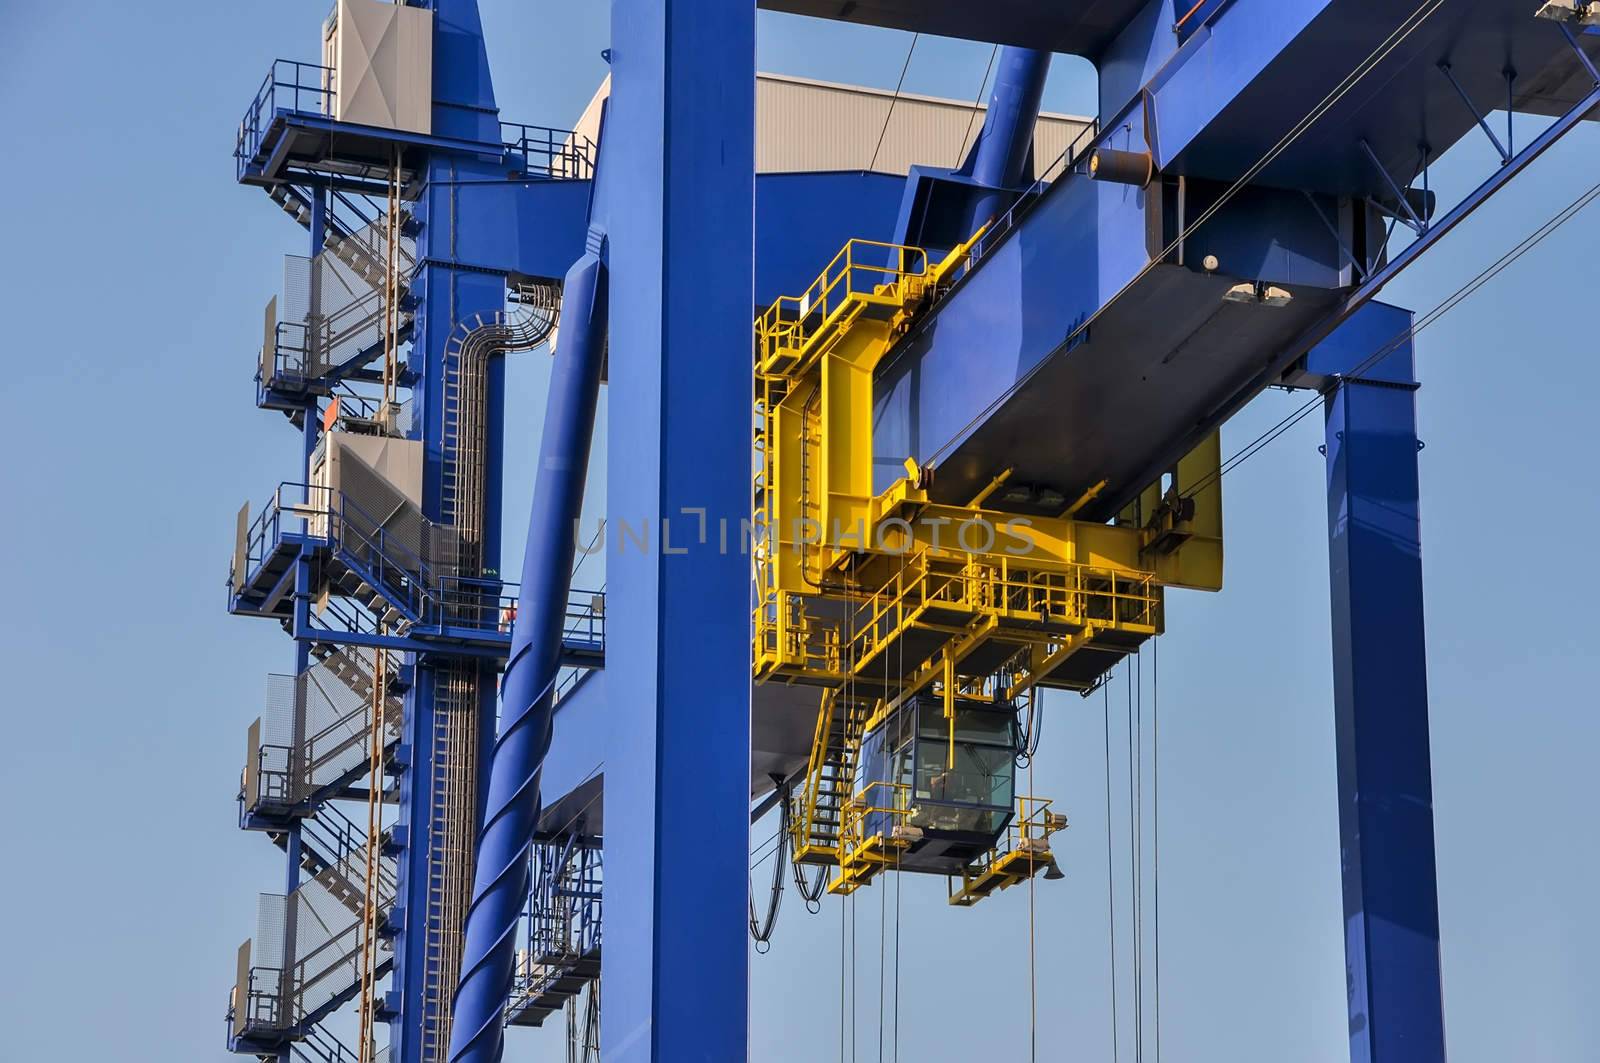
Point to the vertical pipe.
(501, 885)
(1000, 156)
(302, 647)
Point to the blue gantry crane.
(985, 446)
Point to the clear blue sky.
(130, 297)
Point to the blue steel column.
(680, 146)
(1000, 155)
(500, 888)
(459, 276)
(309, 430)
(1381, 702)
(448, 291)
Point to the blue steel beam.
(463, 255)
(680, 160)
(1078, 27)
(1368, 289)
(1381, 696)
(500, 887)
(1068, 302)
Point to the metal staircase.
(302, 964)
(333, 852)
(403, 566)
(362, 572)
(311, 745)
(326, 326)
(561, 953)
(818, 817)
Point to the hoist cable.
(977, 104)
(1155, 813)
(1033, 968)
(893, 100)
(897, 956)
(1136, 826)
(883, 921)
(1111, 895)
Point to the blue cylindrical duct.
(500, 885)
(1000, 156)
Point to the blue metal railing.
(289, 87)
(1064, 165)
(558, 153)
(293, 87)
(431, 600)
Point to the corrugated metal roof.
(807, 126)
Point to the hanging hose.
(501, 886)
(1029, 730)
(761, 929)
(811, 892)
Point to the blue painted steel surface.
(1000, 156)
(802, 219)
(501, 885)
(1076, 27)
(456, 246)
(680, 144)
(1381, 703)
(1232, 92)
(574, 768)
(1208, 102)
(952, 396)
(1279, 364)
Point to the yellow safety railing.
(878, 797)
(1033, 821)
(1074, 595)
(807, 839)
(1022, 852)
(862, 856)
(787, 636)
(861, 268)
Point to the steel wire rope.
(883, 919)
(1459, 295)
(584, 554)
(896, 1042)
(888, 760)
(1410, 25)
(893, 100)
(1033, 969)
(842, 972)
(900, 651)
(1155, 827)
(850, 899)
(1431, 317)
(977, 105)
(1111, 899)
(1133, 870)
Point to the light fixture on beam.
(1259, 293)
(1578, 11)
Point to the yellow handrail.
(784, 323)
